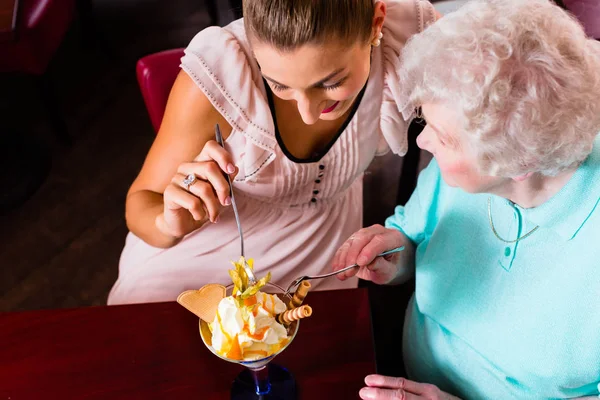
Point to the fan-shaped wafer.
(204, 301)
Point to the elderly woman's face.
(322, 80)
(442, 138)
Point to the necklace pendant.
(491, 221)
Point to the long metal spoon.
(297, 281)
(247, 268)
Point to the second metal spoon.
(297, 281)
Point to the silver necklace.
(494, 228)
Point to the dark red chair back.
(156, 74)
(41, 26)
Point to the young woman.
(306, 94)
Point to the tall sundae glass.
(250, 325)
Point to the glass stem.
(262, 385)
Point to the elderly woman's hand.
(381, 387)
(363, 247)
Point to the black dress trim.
(317, 157)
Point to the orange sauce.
(231, 347)
(257, 335)
(276, 347)
(221, 327)
(265, 305)
(235, 352)
(250, 301)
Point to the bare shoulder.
(188, 123)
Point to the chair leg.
(53, 111)
(213, 11)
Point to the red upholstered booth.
(156, 74)
(41, 26)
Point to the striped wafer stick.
(299, 295)
(295, 314)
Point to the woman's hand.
(187, 210)
(381, 387)
(363, 247)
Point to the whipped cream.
(252, 325)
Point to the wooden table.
(8, 18)
(153, 351)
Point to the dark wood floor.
(61, 248)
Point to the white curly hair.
(523, 78)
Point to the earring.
(377, 41)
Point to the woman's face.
(442, 138)
(322, 80)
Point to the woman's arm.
(187, 126)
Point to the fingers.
(358, 243)
(381, 386)
(392, 382)
(204, 197)
(209, 172)
(347, 253)
(339, 260)
(212, 151)
(201, 190)
(363, 247)
(372, 393)
(377, 239)
(176, 197)
(380, 271)
(211, 187)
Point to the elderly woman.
(503, 230)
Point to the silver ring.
(189, 181)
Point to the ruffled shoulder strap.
(404, 19)
(220, 62)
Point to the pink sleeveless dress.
(294, 215)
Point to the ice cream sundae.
(248, 324)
